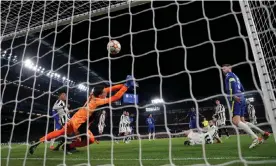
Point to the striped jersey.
(127, 121)
(213, 131)
(220, 113)
(60, 108)
(102, 120)
(123, 119)
(251, 112)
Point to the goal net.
(173, 49)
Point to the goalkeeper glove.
(130, 82)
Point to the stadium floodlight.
(82, 87)
(28, 63)
(157, 101)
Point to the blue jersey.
(150, 121)
(131, 119)
(192, 115)
(233, 86)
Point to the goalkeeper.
(78, 123)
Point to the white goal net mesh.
(173, 49)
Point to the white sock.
(153, 135)
(52, 142)
(255, 128)
(149, 135)
(247, 129)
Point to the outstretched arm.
(113, 88)
(116, 97)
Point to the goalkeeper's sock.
(247, 129)
(149, 135)
(255, 128)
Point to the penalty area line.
(145, 159)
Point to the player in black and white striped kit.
(61, 115)
(251, 113)
(101, 123)
(220, 118)
(123, 126)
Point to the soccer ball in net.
(114, 47)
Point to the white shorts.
(220, 123)
(200, 138)
(100, 128)
(122, 128)
(129, 130)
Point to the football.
(114, 47)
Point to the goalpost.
(22, 19)
(260, 21)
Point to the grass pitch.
(152, 153)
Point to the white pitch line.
(146, 159)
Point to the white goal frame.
(267, 91)
(76, 18)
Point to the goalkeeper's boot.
(266, 135)
(33, 147)
(255, 142)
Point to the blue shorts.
(151, 129)
(192, 124)
(58, 126)
(238, 108)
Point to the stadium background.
(33, 93)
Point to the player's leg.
(84, 141)
(237, 111)
(226, 132)
(128, 134)
(264, 134)
(48, 137)
(59, 125)
(153, 133)
(149, 130)
(218, 123)
(219, 132)
(100, 130)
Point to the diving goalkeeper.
(78, 124)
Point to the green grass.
(153, 153)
